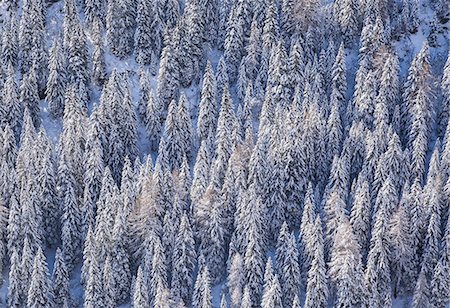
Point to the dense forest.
(233, 153)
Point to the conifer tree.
(144, 94)
(94, 290)
(48, 193)
(75, 47)
(272, 296)
(94, 9)
(208, 112)
(71, 226)
(40, 293)
(120, 260)
(109, 287)
(159, 270)
(15, 286)
(402, 248)
(148, 33)
(202, 297)
(183, 261)
(168, 77)
(12, 106)
(345, 267)
(93, 170)
(54, 93)
(32, 51)
(31, 216)
(271, 29)
(88, 254)
(222, 78)
(421, 292)
(234, 46)
(120, 22)
(360, 217)
(140, 293)
(253, 257)
(13, 229)
(29, 94)
(9, 49)
(339, 81)
(418, 106)
(98, 55)
(236, 280)
(3, 234)
(153, 119)
(201, 171)
(60, 278)
(26, 267)
(433, 232)
(333, 210)
(444, 114)
(377, 273)
(185, 126)
(212, 246)
(246, 299)
(348, 20)
(316, 287)
(225, 126)
(439, 286)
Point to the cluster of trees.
(348, 186)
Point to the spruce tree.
(360, 217)
(109, 288)
(144, 94)
(224, 143)
(32, 51)
(98, 55)
(15, 287)
(121, 260)
(48, 194)
(183, 261)
(71, 226)
(339, 81)
(253, 257)
(54, 93)
(345, 267)
(316, 287)
(140, 293)
(153, 119)
(402, 248)
(439, 286)
(9, 49)
(272, 296)
(148, 34)
(212, 246)
(201, 171)
(168, 77)
(208, 109)
(421, 296)
(234, 47)
(377, 275)
(94, 9)
(93, 170)
(40, 292)
(60, 279)
(29, 94)
(202, 297)
(95, 289)
(12, 105)
(120, 22)
(235, 281)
